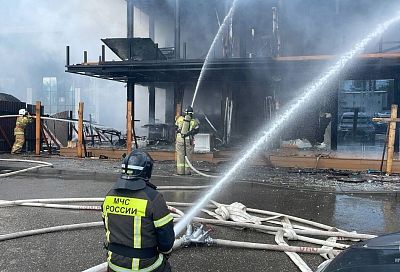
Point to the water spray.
(307, 94)
(216, 38)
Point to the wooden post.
(129, 127)
(178, 97)
(392, 135)
(80, 130)
(38, 127)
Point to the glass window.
(365, 99)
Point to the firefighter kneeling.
(139, 226)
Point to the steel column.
(152, 104)
(130, 18)
(80, 131)
(177, 30)
(38, 127)
(67, 56)
(335, 118)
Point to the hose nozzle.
(196, 236)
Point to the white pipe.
(185, 204)
(48, 230)
(29, 161)
(294, 218)
(300, 220)
(307, 250)
(41, 164)
(54, 119)
(175, 210)
(98, 268)
(52, 200)
(275, 229)
(315, 241)
(74, 199)
(41, 117)
(183, 187)
(197, 171)
(338, 234)
(61, 206)
(180, 214)
(218, 222)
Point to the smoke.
(311, 27)
(34, 33)
(33, 36)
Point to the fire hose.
(197, 171)
(53, 119)
(41, 164)
(288, 230)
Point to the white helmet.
(22, 112)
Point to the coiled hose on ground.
(294, 232)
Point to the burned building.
(266, 52)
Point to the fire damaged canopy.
(134, 49)
(369, 66)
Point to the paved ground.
(78, 250)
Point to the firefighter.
(19, 131)
(186, 127)
(139, 227)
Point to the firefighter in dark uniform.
(139, 226)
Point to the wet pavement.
(78, 250)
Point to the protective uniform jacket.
(21, 123)
(139, 226)
(193, 128)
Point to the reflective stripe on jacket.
(138, 222)
(194, 124)
(21, 123)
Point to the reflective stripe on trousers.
(152, 267)
(181, 166)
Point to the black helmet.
(189, 110)
(138, 164)
(136, 171)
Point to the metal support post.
(70, 125)
(67, 56)
(335, 118)
(152, 111)
(177, 30)
(151, 25)
(130, 18)
(80, 130)
(103, 53)
(38, 127)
